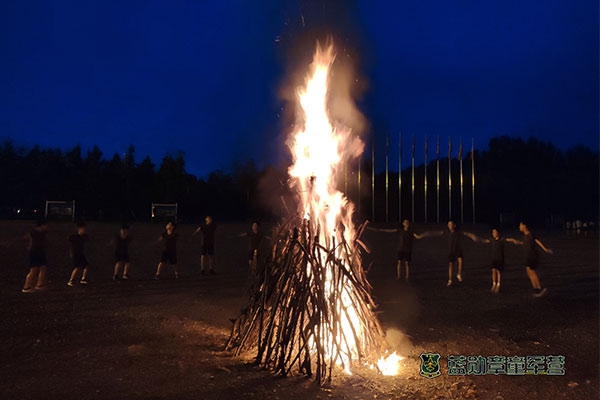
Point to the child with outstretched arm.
(531, 257)
(78, 241)
(497, 256)
(455, 252)
(406, 235)
(169, 253)
(36, 278)
(207, 260)
(122, 260)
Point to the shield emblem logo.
(430, 365)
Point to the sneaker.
(497, 289)
(540, 292)
(83, 281)
(70, 283)
(115, 277)
(157, 277)
(212, 271)
(449, 284)
(493, 289)
(459, 278)
(126, 277)
(27, 290)
(40, 288)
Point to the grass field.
(147, 339)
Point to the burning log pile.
(310, 303)
(310, 306)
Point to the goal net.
(164, 211)
(60, 210)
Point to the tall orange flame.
(320, 148)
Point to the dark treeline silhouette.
(530, 179)
(123, 188)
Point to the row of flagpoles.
(387, 182)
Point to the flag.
(449, 147)
(460, 150)
(437, 150)
(472, 148)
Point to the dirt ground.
(147, 339)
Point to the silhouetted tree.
(530, 178)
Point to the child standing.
(255, 238)
(455, 252)
(497, 257)
(406, 236)
(531, 256)
(208, 245)
(36, 278)
(122, 241)
(78, 258)
(169, 254)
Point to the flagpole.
(438, 178)
(346, 178)
(473, 175)
(373, 180)
(413, 180)
(449, 178)
(425, 176)
(359, 159)
(462, 206)
(387, 145)
(400, 178)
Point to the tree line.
(530, 178)
(120, 187)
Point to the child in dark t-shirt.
(169, 253)
(207, 260)
(531, 257)
(36, 278)
(455, 251)
(255, 238)
(497, 257)
(406, 237)
(122, 242)
(78, 258)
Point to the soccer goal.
(60, 210)
(164, 211)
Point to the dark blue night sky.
(204, 77)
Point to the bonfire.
(310, 303)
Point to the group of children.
(36, 278)
(529, 244)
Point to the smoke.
(313, 23)
(398, 341)
(317, 23)
(346, 87)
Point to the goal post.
(164, 211)
(60, 210)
